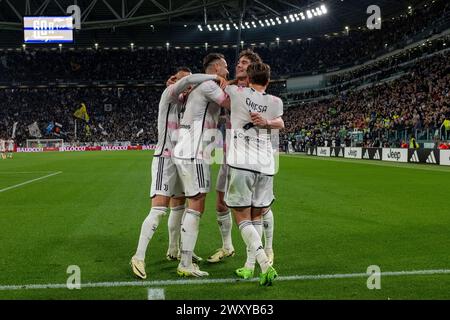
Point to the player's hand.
(258, 120)
(171, 80)
(222, 82)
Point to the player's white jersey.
(10, 145)
(2, 145)
(201, 113)
(250, 148)
(169, 110)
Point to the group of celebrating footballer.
(189, 107)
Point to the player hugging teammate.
(6, 148)
(184, 171)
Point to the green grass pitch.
(331, 217)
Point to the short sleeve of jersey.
(278, 103)
(212, 92)
(231, 89)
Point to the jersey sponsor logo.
(255, 107)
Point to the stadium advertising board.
(353, 153)
(395, 154)
(337, 152)
(371, 153)
(86, 148)
(323, 151)
(311, 151)
(445, 157)
(430, 156)
(29, 149)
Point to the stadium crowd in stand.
(419, 100)
(132, 109)
(286, 59)
(372, 72)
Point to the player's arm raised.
(194, 79)
(215, 93)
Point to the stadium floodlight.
(324, 9)
(296, 17)
(221, 27)
(292, 17)
(209, 27)
(286, 19)
(247, 24)
(314, 12)
(319, 12)
(96, 45)
(227, 26)
(309, 14)
(60, 45)
(261, 23)
(215, 27)
(254, 24)
(272, 22)
(235, 26)
(302, 15)
(200, 28)
(267, 22)
(278, 20)
(242, 27)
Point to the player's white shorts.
(221, 184)
(248, 189)
(10, 148)
(165, 178)
(195, 176)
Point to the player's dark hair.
(258, 73)
(210, 58)
(185, 69)
(250, 55)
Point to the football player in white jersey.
(246, 57)
(10, 148)
(3, 149)
(193, 160)
(224, 219)
(251, 161)
(166, 183)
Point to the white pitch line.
(30, 181)
(224, 280)
(24, 172)
(405, 165)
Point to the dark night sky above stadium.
(158, 22)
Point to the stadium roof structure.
(146, 22)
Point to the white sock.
(174, 226)
(189, 234)
(148, 228)
(268, 229)
(225, 224)
(250, 263)
(253, 241)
